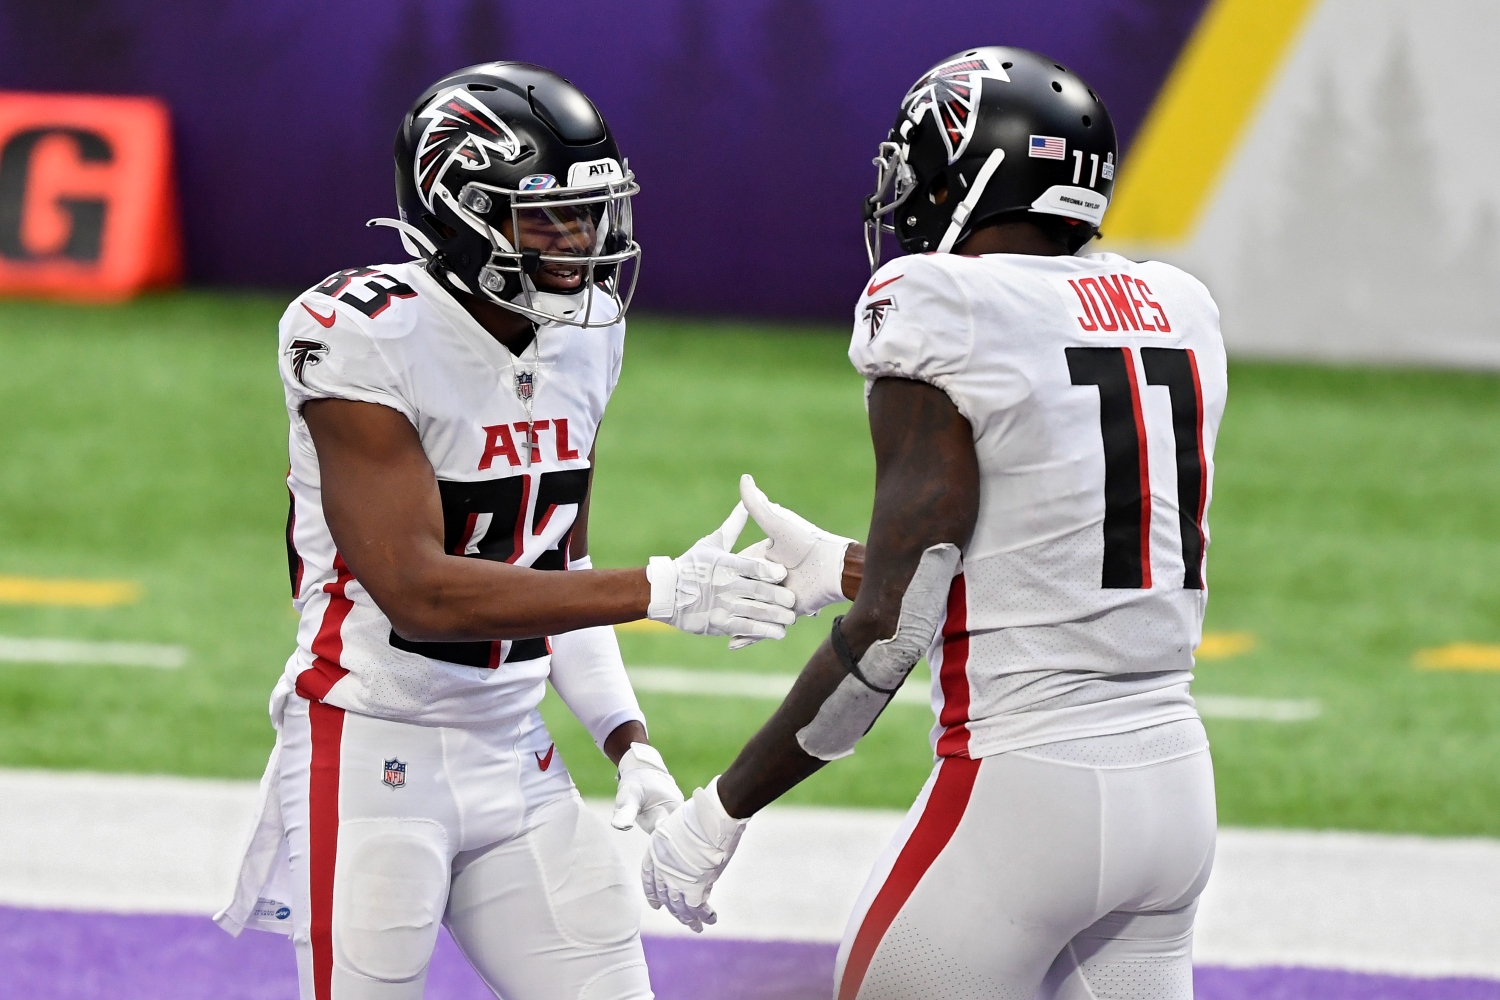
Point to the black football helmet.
(989, 132)
(510, 185)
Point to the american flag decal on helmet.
(459, 130)
(951, 92)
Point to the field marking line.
(726, 684)
(1215, 645)
(1394, 904)
(69, 593)
(1476, 656)
(72, 652)
(1233, 706)
(1223, 645)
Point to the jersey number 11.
(1127, 478)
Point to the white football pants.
(395, 828)
(1064, 872)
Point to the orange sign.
(88, 207)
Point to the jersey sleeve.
(335, 360)
(913, 321)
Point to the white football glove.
(687, 854)
(814, 558)
(647, 793)
(708, 590)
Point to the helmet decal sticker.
(594, 172)
(951, 92)
(537, 182)
(1048, 147)
(459, 130)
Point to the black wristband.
(846, 658)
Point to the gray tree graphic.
(1356, 258)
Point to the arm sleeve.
(617, 356)
(588, 673)
(913, 321)
(338, 361)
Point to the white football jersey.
(1094, 386)
(509, 439)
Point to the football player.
(443, 416)
(1044, 429)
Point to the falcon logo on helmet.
(304, 353)
(463, 131)
(962, 156)
(951, 92)
(481, 158)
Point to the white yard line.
(1365, 902)
(724, 684)
(1231, 706)
(62, 652)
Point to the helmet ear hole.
(937, 189)
(438, 226)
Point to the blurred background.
(172, 174)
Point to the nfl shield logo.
(524, 384)
(395, 773)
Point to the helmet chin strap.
(966, 207)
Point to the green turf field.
(1354, 523)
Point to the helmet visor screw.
(911, 220)
(492, 280)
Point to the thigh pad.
(591, 895)
(390, 888)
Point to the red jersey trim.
(316, 681)
(953, 674)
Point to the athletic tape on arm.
(849, 712)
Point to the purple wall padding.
(750, 124)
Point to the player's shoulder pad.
(1147, 266)
(1186, 281)
(912, 321)
(377, 302)
(928, 272)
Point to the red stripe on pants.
(945, 807)
(323, 838)
(953, 674)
